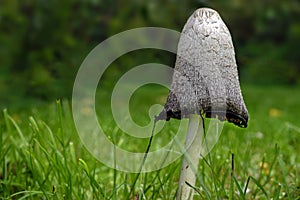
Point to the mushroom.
(205, 83)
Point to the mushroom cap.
(205, 79)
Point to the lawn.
(42, 157)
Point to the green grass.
(41, 156)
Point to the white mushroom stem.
(191, 158)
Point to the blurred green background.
(43, 42)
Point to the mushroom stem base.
(191, 158)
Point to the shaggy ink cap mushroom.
(205, 80)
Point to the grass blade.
(277, 192)
(246, 186)
(259, 186)
(241, 193)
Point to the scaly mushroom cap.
(205, 80)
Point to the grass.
(41, 156)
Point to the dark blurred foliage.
(43, 42)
